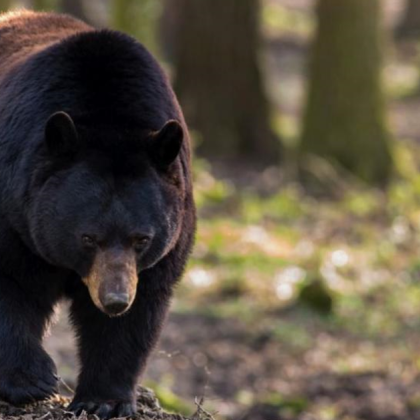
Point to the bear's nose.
(115, 303)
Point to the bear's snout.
(115, 303)
(115, 290)
(112, 281)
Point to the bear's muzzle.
(112, 280)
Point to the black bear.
(96, 205)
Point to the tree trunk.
(218, 77)
(5, 5)
(121, 14)
(344, 120)
(169, 28)
(75, 8)
(41, 5)
(138, 18)
(94, 13)
(409, 27)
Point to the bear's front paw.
(22, 386)
(103, 409)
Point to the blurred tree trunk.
(218, 78)
(169, 28)
(5, 5)
(75, 8)
(344, 119)
(94, 13)
(41, 5)
(138, 18)
(121, 15)
(409, 27)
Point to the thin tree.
(409, 26)
(75, 8)
(218, 79)
(344, 120)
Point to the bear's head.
(109, 204)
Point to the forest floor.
(148, 408)
(238, 334)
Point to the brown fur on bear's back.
(24, 32)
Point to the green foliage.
(284, 206)
(286, 406)
(354, 257)
(169, 401)
(279, 20)
(295, 336)
(209, 191)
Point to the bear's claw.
(104, 410)
(19, 388)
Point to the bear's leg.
(113, 351)
(27, 373)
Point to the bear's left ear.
(167, 142)
(61, 135)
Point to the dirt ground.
(148, 408)
(227, 362)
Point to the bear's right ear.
(61, 135)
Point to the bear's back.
(23, 33)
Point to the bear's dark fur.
(96, 205)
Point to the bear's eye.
(140, 242)
(88, 241)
